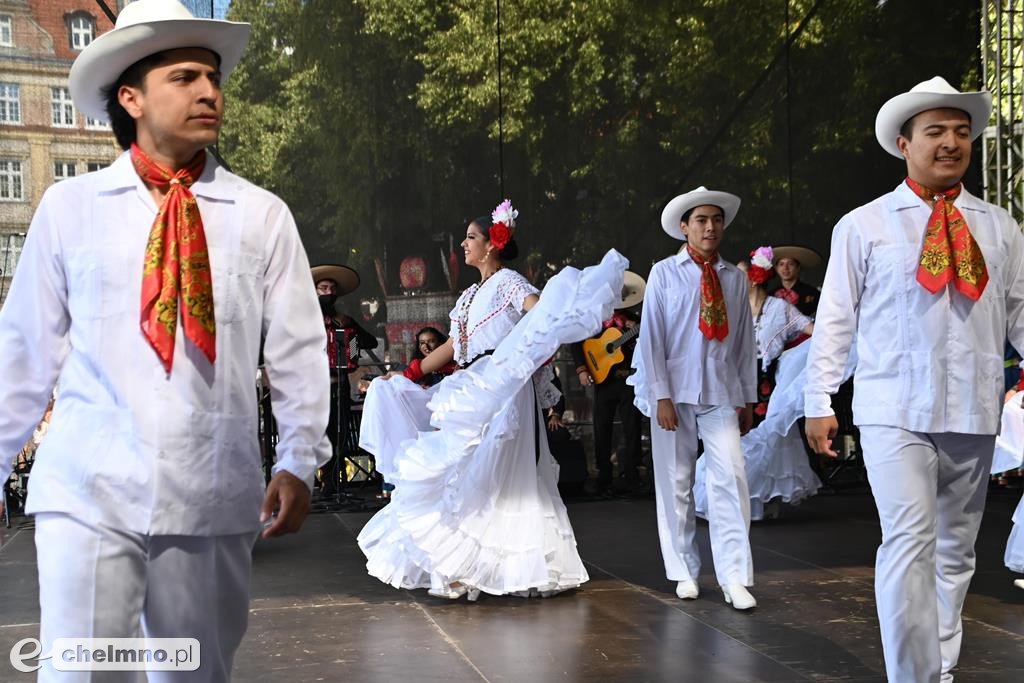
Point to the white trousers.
(675, 456)
(930, 493)
(99, 582)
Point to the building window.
(10, 250)
(96, 165)
(96, 124)
(62, 107)
(10, 103)
(12, 181)
(82, 30)
(63, 170)
(6, 31)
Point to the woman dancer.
(1009, 454)
(476, 505)
(776, 461)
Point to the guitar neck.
(626, 336)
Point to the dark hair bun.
(510, 251)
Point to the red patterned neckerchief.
(714, 319)
(177, 263)
(950, 253)
(789, 295)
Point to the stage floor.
(317, 616)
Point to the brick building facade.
(43, 139)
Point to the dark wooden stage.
(317, 616)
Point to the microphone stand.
(338, 499)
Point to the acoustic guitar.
(604, 353)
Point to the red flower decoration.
(761, 409)
(765, 388)
(500, 235)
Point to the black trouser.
(339, 415)
(612, 396)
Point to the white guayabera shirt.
(926, 362)
(128, 445)
(674, 359)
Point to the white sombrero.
(346, 278)
(633, 287)
(143, 28)
(673, 213)
(933, 94)
(805, 256)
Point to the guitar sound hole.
(609, 349)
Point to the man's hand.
(746, 417)
(820, 432)
(555, 422)
(667, 419)
(585, 379)
(292, 495)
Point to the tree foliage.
(378, 120)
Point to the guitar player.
(613, 395)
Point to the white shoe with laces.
(738, 596)
(687, 590)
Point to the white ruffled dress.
(1009, 454)
(476, 498)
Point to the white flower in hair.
(504, 213)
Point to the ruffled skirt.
(776, 462)
(476, 498)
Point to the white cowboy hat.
(673, 213)
(346, 278)
(633, 287)
(143, 28)
(933, 94)
(805, 256)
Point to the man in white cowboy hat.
(696, 379)
(790, 261)
(613, 396)
(144, 291)
(927, 280)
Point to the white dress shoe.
(738, 596)
(687, 590)
(1019, 583)
(449, 593)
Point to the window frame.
(88, 27)
(66, 104)
(11, 173)
(6, 102)
(65, 165)
(8, 21)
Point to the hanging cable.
(789, 134)
(501, 109)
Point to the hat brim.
(806, 257)
(633, 288)
(904, 107)
(347, 278)
(103, 61)
(674, 210)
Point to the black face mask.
(327, 302)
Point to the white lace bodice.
(494, 311)
(778, 323)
